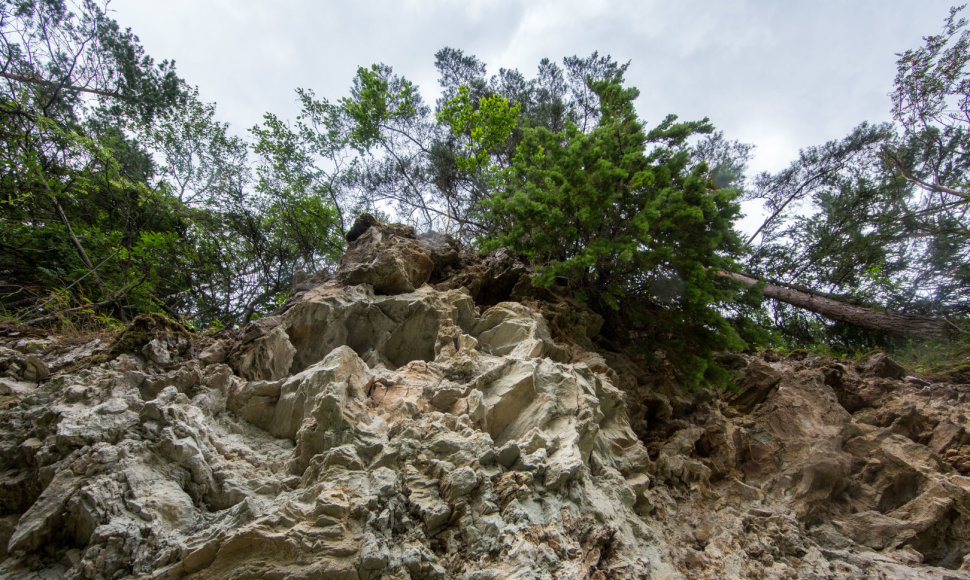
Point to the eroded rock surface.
(412, 437)
(426, 434)
(388, 258)
(818, 469)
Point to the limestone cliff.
(379, 426)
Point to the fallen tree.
(888, 321)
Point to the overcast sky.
(780, 74)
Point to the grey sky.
(781, 74)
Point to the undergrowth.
(948, 360)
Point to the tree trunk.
(890, 322)
(70, 231)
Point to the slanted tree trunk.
(890, 322)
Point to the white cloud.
(782, 75)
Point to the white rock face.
(412, 435)
(364, 436)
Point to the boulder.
(880, 365)
(388, 258)
(445, 251)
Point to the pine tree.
(629, 223)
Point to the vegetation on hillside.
(122, 193)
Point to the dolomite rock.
(800, 487)
(389, 258)
(411, 436)
(882, 366)
(425, 434)
(267, 357)
(446, 254)
(490, 280)
(35, 369)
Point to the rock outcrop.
(379, 427)
(388, 258)
(819, 469)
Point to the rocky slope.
(382, 427)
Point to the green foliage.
(880, 217)
(301, 223)
(622, 218)
(931, 102)
(945, 361)
(557, 168)
(198, 159)
(485, 126)
(72, 190)
(378, 99)
(120, 192)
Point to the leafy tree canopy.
(880, 217)
(123, 193)
(628, 222)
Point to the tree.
(70, 76)
(879, 219)
(380, 148)
(557, 168)
(55, 52)
(391, 128)
(625, 220)
(931, 103)
(888, 322)
(304, 226)
(122, 193)
(554, 97)
(244, 236)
